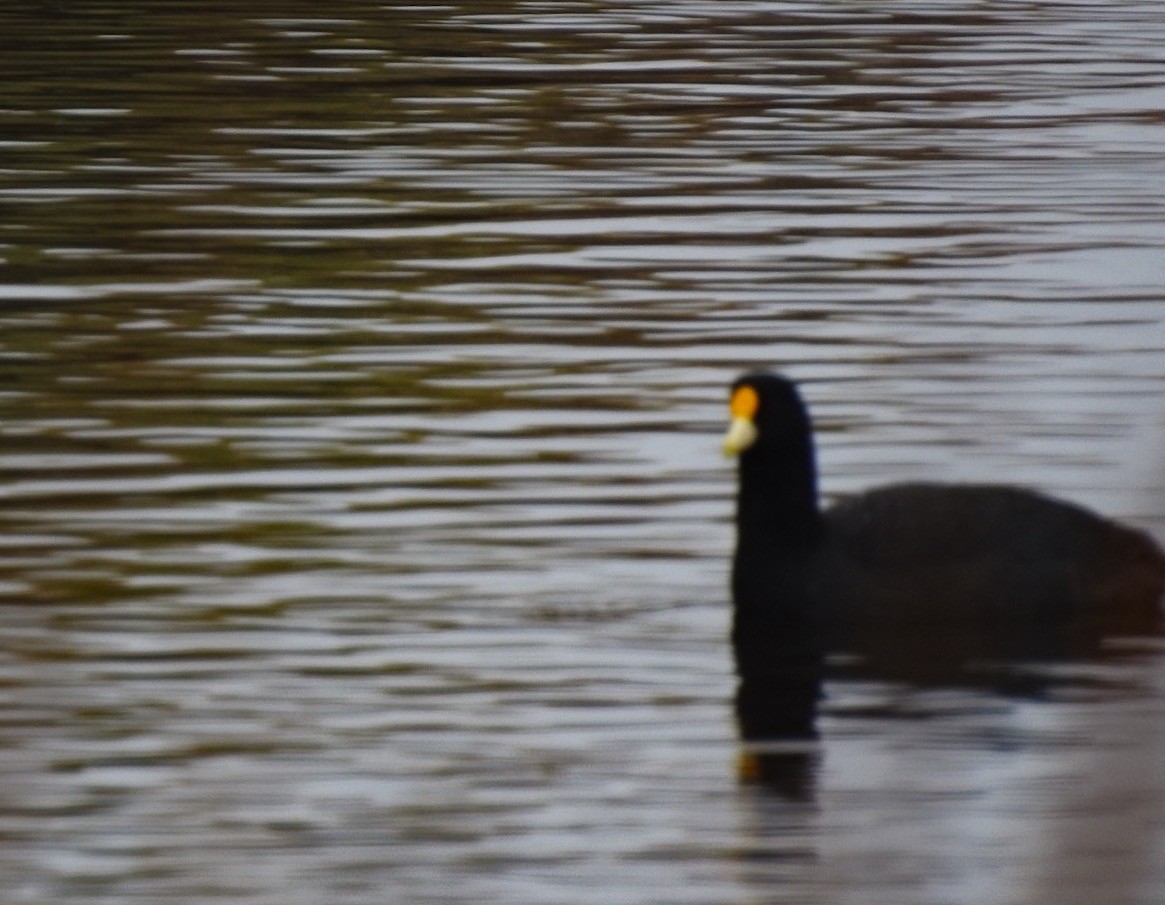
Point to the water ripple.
(364, 528)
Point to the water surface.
(364, 531)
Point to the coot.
(957, 570)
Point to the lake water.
(362, 371)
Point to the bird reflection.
(777, 710)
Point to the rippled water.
(364, 531)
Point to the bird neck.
(777, 500)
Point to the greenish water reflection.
(362, 529)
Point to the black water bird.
(905, 572)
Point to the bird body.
(964, 549)
(951, 569)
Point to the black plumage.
(947, 570)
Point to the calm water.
(364, 532)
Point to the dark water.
(361, 374)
